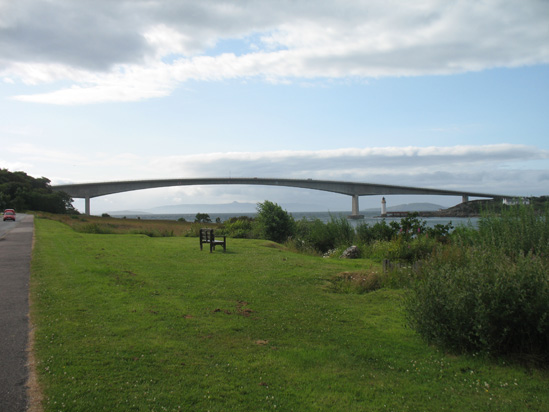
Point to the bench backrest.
(207, 235)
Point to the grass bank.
(129, 322)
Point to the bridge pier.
(87, 205)
(464, 198)
(354, 209)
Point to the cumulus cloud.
(133, 50)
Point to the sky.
(431, 93)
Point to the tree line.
(22, 192)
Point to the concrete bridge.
(353, 189)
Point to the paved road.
(15, 255)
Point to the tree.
(22, 192)
(202, 218)
(273, 222)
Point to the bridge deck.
(354, 189)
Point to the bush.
(238, 228)
(319, 236)
(273, 222)
(401, 249)
(380, 231)
(483, 301)
(323, 237)
(341, 231)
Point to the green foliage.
(440, 232)
(378, 232)
(485, 302)
(411, 226)
(323, 237)
(315, 235)
(202, 218)
(489, 290)
(273, 222)
(22, 192)
(517, 230)
(241, 227)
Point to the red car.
(9, 214)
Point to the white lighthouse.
(383, 207)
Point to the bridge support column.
(355, 210)
(87, 206)
(464, 198)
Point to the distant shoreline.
(447, 213)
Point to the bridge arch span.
(88, 191)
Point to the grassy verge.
(140, 323)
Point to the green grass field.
(135, 323)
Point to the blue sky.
(438, 94)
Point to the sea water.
(370, 218)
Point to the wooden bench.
(208, 236)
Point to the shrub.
(439, 232)
(411, 226)
(483, 301)
(319, 236)
(381, 249)
(341, 230)
(238, 228)
(323, 237)
(380, 231)
(273, 222)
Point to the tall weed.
(518, 230)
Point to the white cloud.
(500, 169)
(133, 50)
(490, 169)
(358, 162)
